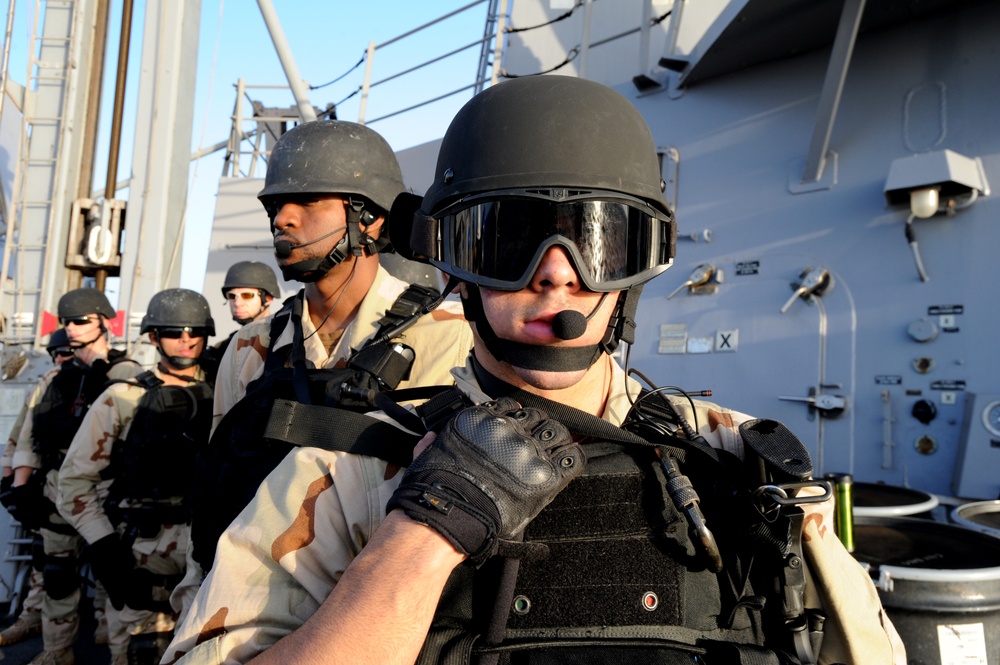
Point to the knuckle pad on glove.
(505, 444)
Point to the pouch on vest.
(155, 462)
(66, 401)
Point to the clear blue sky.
(327, 39)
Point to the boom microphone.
(570, 324)
(283, 248)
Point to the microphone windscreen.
(569, 324)
(282, 249)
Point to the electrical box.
(976, 474)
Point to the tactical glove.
(112, 562)
(488, 474)
(27, 505)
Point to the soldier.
(54, 414)
(29, 621)
(328, 190)
(249, 288)
(127, 475)
(517, 536)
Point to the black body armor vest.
(625, 581)
(58, 415)
(170, 424)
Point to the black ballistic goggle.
(497, 241)
(178, 332)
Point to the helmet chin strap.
(166, 370)
(177, 362)
(355, 242)
(102, 331)
(621, 327)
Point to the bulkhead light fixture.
(931, 183)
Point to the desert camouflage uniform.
(83, 489)
(275, 569)
(31, 608)
(440, 340)
(60, 617)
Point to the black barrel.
(878, 500)
(979, 516)
(940, 585)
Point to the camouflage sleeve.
(79, 500)
(441, 341)
(128, 369)
(857, 629)
(283, 555)
(240, 364)
(24, 450)
(15, 432)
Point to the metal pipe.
(124, 41)
(367, 83)
(98, 51)
(498, 48)
(833, 87)
(585, 39)
(299, 91)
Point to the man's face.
(302, 218)
(244, 303)
(179, 343)
(82, 329)
(526, 316)
(62, 354)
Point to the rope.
(356, 65)
(579, 3)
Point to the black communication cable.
(579, 3)
(358, 64)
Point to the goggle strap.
(424, 237)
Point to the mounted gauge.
(991, 417)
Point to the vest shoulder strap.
(309, 425)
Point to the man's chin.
(549, 380)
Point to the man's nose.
(286, 214)
(555, 270)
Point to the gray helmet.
(547, 131)
(333, 157)
(178, 308)
(570, 146)
(58, 338)
(83, 301)
(251, 275)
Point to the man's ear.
(374, 229)
(152, 338)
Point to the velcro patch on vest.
(617, 552)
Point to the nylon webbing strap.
(577, 421)
(335, 429)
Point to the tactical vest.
(294, 406)
(155, 462)
(66, 401)
(626, 579)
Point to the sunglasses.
(242, 296)
(177, 333)
(62, 353)
(76, 320)
(497, 241)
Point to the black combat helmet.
(251, 275)
(535, 162)
(59, 339)
(339, 158)
(333, 157)
(84, 301)
(178, 308)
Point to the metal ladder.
(41, 173)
